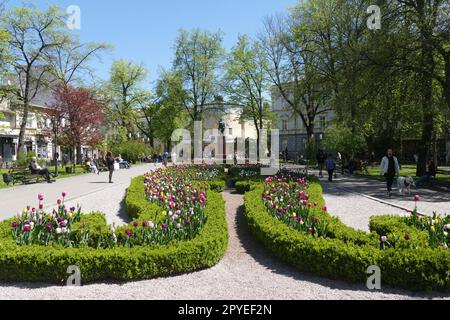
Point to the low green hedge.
(217, 185)
(347, 253)
(245, 186)
(137, 204)
(49, 264)
(395, 228)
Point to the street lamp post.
(56, 123)
(222, 127)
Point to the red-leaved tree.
(83, 118)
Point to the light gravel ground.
(247, 272)
(355, 210)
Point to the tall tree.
(159, 118)
(427, 23)
(33, 33)
(197, 57)
(84, 118)
(293, 72)
(127, 95)
(4, 56)
(246, 82)
(69, 61)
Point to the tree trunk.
(447, 81)
(23, 128)
(427, 107)
(310, 152)
(79, 155)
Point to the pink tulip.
(416, 198)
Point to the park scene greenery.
(353, 91)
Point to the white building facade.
(293, 135)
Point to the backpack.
(331, 165)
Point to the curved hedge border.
(49, 264)
(349, 254)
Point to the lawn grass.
(407, 170)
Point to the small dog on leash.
(405, 184)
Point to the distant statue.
(222, 126)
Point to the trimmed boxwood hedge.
(49, 264)
(347, 254)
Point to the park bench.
(443, 172)
(22, 175)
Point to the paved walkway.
(355, 199)
(247, 272)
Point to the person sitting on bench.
(122, 162)
(429, 175)
(37, 169)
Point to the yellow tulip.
(433, 229)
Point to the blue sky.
(145, 30)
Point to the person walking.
(109, 159)
(331, 166)
(321, 158)
(390, 168)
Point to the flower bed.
(176, 241)
(291, 220)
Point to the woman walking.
(110, 164)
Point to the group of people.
(389, 168)
(108, 161)
(326, 161)
(93, 164)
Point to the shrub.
(24, 159)
(137, 204)
(132, 151)
(347, 253)
(49, 264)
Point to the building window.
(230, 131)
(323, 122)
(285, 125)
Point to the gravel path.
(351, 199)
(247, 272)
(355, 210)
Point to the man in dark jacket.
(321, 158)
